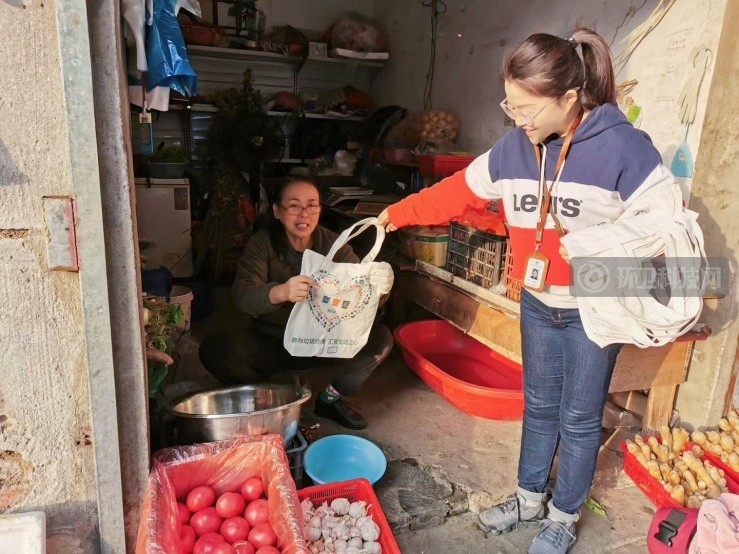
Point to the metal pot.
(247, 410)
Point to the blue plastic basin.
(344, 457)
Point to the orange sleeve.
(436, 205)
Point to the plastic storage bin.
(475, 255)
(512, 286)
(354, 490)
(441, 166)
(652, 488)
(465, 372)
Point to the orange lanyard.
(547, 191)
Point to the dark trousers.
(257, 355)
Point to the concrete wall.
(711, 384)
(46, 455)
(471, 39)
(59, 449)
(124, 288)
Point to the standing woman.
(573, 171)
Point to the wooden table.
(494, 321)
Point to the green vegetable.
(170, 155)
(595, 507)
(163, 320)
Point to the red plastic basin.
(463, 371)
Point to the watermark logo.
(662, 278)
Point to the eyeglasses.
(517, 115)
(297, 209)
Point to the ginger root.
(712, 489)
(699, 437)
(680, 437)
(666, 434)
(661, 454)
(678, 494)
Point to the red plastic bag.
(224, 466)
(485, 220)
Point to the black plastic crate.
(295, 451)
(475, 255)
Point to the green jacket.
(260, 268)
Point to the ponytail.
(600, 82)
(547, 65)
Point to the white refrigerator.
(164, 220)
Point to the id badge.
(537, 265)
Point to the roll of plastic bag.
(166, 54)
(134, 16)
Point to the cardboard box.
(428, 244)
(318, 50)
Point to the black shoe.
(342, 413)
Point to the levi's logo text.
(567, 207)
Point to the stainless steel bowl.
(247, 410)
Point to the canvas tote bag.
(336, 318)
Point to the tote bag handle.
(350, 233)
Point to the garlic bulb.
(372, 547)
(357, 509)
(340, 506)
(370, 531)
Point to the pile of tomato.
(235, 523)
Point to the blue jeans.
(566, 378)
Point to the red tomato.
(206, 521)
(268, 550)
(235, 529)
(262, 535)
(207, 543)
(200, 498)
(243, 548)
(187, 539)
(253, 488)
(223, 549)
(257, 512)
(183, 513)
(230, 504)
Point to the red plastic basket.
(652, 488)
(442, 166)
(354, 490)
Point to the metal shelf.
(316, 116)
(260, 56)
(288, 161)
(209, 108)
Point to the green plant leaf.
(595, 507)
(157, 373)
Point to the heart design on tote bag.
(331, 302)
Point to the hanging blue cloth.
(166, 54)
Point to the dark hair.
(547, 65)
(276, 229)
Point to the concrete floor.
(445, 466)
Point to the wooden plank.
(641, 368)
(491, 327)
(659, 407)
(633, 401)
(485, 296)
